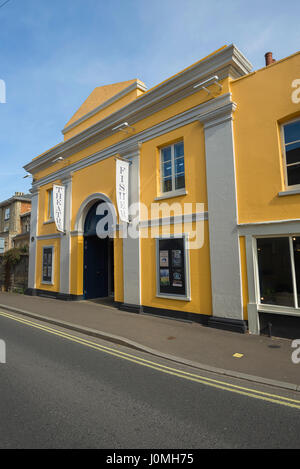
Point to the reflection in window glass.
(167, 185)
(275, 272)
(178, 149)
(172, 167)
(292, 132)
(166, 154)
(292, 152)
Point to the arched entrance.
(98, 281)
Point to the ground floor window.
(279, 270)
(172, 267)
(47, 264)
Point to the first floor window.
(172, 268)
(2, 245)
(47, 264)
(172, 168)
(291, 133)
(50, 204)
(279, 270)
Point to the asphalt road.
(58, 393)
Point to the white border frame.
(174, 192)
(283, 152)
(269, 308)
(172, 296)
(44, 282)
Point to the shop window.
(48, 265)
(279, 271)
(172, 267)
(172, 168)
(291, 132)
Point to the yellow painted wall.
(45, 228)
(263, 103)
(194, 160)
(39, 263)
(101, 114)
(158, 117)
(99, 177)
(201, 297)
(76, 275)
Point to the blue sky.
(55, 52)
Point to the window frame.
(48, 282)
(174, 296)
(283, 145)
(173, 191)
(266, 307)
(50, 208)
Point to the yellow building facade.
(212, 191)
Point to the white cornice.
(227, 62)
(221, 106)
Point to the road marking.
(274, 398)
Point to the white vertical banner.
(59, 207)
(122, 179)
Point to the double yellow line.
(276, 399)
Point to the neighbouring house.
(217, 142)
(22, 239)
(15, 221)
(15, 214)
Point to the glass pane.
(292, 153)
(167, 169)
(275, 273)
(293, 173)
(178, 149)
(166, 154)
(179, 165)
(179, 181)
(50, 208)
(292, 132)
(167, 185)
(296, 246)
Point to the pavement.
(259, 359)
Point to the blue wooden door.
(95, 267)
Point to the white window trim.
(268, 308)
(44, 282)
(173, 296)
(295, 187)
(174, 192)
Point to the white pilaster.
(222, 208)
(65, 240)
(33, 240)
(131, 246)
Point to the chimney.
(269, 58)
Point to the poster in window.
(164, 277)
(171, 269)
(164, 258)
(176, 258)
(177, 279)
